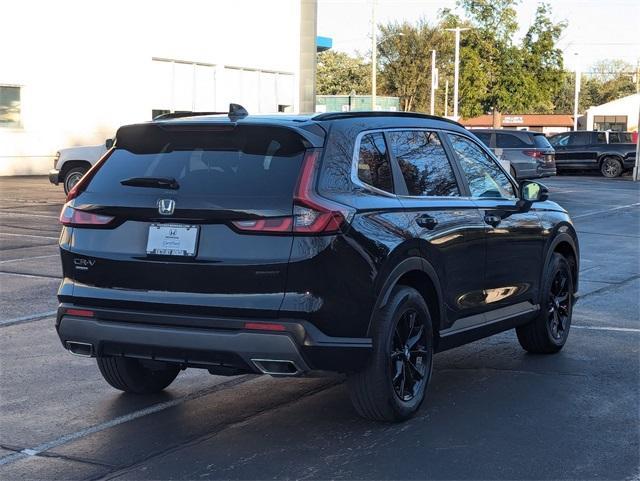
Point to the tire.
(137, 376)
(548, 333)
(375, 391)
(72, 177)
(611, 167)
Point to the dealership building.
(86, 74)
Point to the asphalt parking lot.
(492, 412)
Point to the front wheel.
(611, 167)
(548, 333)
(73, 177)
(392, 387)
(136, 375)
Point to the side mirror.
(533, 192)
(108, 143)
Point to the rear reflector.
(264, 326)
(80, 218)
(79, 312)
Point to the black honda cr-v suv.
(359, 243)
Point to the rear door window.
(423, 163)
(580, 139)
(374, 168)
(233, 162)
(484, 137)
(509, 141)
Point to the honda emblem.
(166, 206)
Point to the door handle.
(492, 219)
(427, 221)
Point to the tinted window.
(580, 138)
(247, 162)
(601, 138)
(374, 167)
(560, 140)
(509, 141)
(423, 162)
(620, 138)
(484, 176)
(484, 138)
(541, 142)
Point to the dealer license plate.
(172, 240)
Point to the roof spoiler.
(236, 111)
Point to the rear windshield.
(541, 141)
(510, 141)
(245, 161)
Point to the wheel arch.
(565, 245)
(615, 155)
(71, 164)
(414, 272)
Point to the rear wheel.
(72, 177)
(136, 375)
(611, 167)
(393, 386)
(549, 331)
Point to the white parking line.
(29, 235)
(605, 211)
(22, 214)
(67, 438)
(31, 276)
(606, 328)
(28, 258)
(31, 317)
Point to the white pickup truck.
(72, 163)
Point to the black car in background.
(530, 154)
(359, 243)
(609, 152)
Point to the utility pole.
(446, 98)
(374, 55)
(456, 71)
(576, 96)
(434, 81)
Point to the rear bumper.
(218, 344)
(54, 176)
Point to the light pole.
(456, 71)
(374, 55)
(576, 95)
(433, 82)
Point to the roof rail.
(370, 113)
(236, 111)
(178, 115)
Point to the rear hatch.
(187, 217)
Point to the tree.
(404, 51)
(339, 74)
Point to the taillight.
(536, 154)
(312, 214)
(80, 218)
(81, 185)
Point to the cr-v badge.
(166, 206)
(83, 264)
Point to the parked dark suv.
(530, 154)
(609, 152)
(358, 243)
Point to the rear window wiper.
(154, 182)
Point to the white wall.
(629, 106)
(86, 68)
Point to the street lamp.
(576, 95)
(457, 30)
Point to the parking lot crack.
(516, 371)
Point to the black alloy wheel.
(559, 305)
(408, 355)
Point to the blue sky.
(598, 29)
